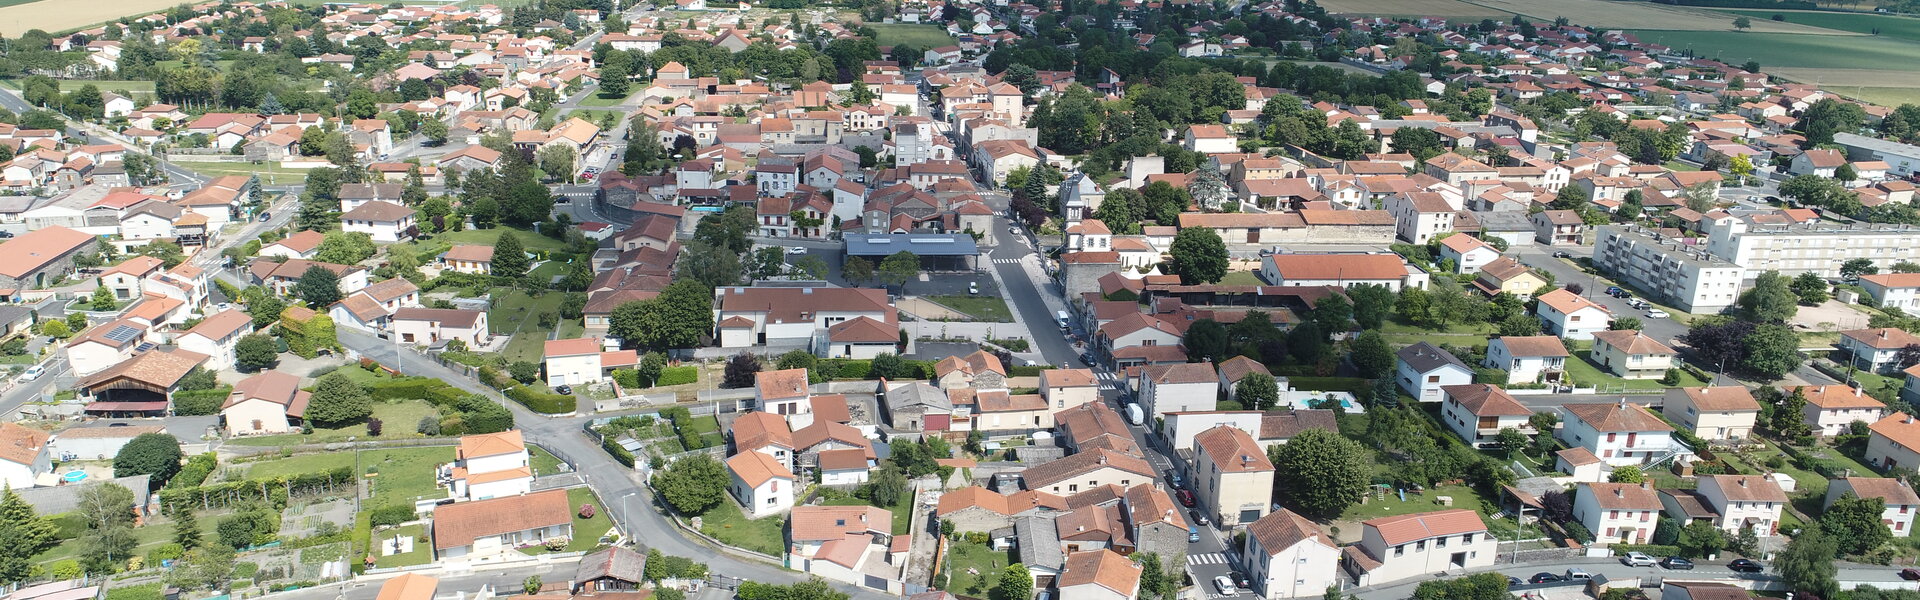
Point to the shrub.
(586, 511)
(428, 426)
(618, 452)
(389, 516)
(195, 472)
(1648, 549)
(200, 402)
(679, 375)
(66, 569)
(524, 372)
(541, 402)
(627, 378)
(374, 425)
(1026, 370)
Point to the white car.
(1657, 313)
(797, 250)
(31, 373)
(1013, 230)
(1225, 585)
(973, 289)
(1637, 559)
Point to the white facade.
(1617, 513)
(1685, 275)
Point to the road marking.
(1214, 558)
(1006, 261)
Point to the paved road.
(1565, 271)
(1882, 577)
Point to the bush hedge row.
(678, 375)
(200, 402)
(540, 401)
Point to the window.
(1400, 550)
(1433, 379)
(1466, 539)
(1440, 542)
(1420, 546)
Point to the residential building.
(482, 528)
(1343, 270)
(761, 483)
(1086, 470)
(1702, 590)
(1068, 388)
(1566, 314)
(1631, 354)
(1528, 359)
(385, 222)
(1675, 271)
(1098, 575)
(837, 542)
(1477, 412)
(1810, 246)
(490, 465)
(581, 360)
(1507, 275)
(1234, 369)
(40, 257)
(1468, 253)
(23, 456)
(216, 336)
(1743, 501)
(1178, 388)
(1232, 476)
(1617, 513)
(1713, 413)
(979, 370)
(756, 316)
(1901, 504)
(1559, 228)
(1894, 290)
(433, 326)
(1893, 442)
(1288, 556)
(1424, 368)
(1419, 545)
(1620, 433)
(1876, 350)
(1830, 409)
(269, 403)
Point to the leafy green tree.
(1510, 441)
(1122, 210)
(1810, 288)
(857, 270)
(1198, 256)
(1772, 350)
(693, 484)
(156, 455)
(1854, 524)
(888, 488)
(1519, 325)
(1206, 340)
(1807, 565)
(509, 256)
(107, 509)
(26, 533)
(319, 287)
(1372, 304)
(1258, 391)
(344, 248)
(1371, 355)
(1626, 474)
(899, 268)
(186, 527)
(264, 308)
(103, 299)
(1857, 267)
(338, 400)
(1771, 300)
(1320, 473)
(1016, 583)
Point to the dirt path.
(929, 310)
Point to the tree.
(1206, 340)
(1853, 269)
(1701, 539)
(741, 369)
(1199, 256)
(1510, 441)
(1371, 355)
(1122, 210)
(156, 455)
(1372, 303)
(1626, 474)
(1807, 565)
(55, 328)
(1770, 301)
(1810, 288)
(1321, 473)
(899, 268)
(1772, 350)
(319, 287)
(557, 162)
(109, 541)
(435, 131)
(693, 484)
(1520, 325)
(1786, 419)
(26, 533)
(509, 256)
(186, 528)
(857, 270)
(1016, 583)
(343, 248)
(888, 487)
(338, 400)
(1258, 391)
(1854, 523)
(1625, 324)
(1742, 23)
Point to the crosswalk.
(1213, 558)
(1108, 380)
(1006, 261)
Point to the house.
(1894, 290)
(1468, 253)
(1743, 501)
(482, 528)
(1631, 354)
(1713, 413)
(281, 276)
(1209, 139)
(1086, 470)
(490, 465)
(1566, 314)
(269, 403)
(1232, 476)
(1820, 162)
(1288, 556)
(1419, 545)
(836, 541)
(844, 468)
(1507, 275)
(581, 360)
(862, 338)
(431, 326)
(1617, 513)
(1068, 388)
(1342, 270)
(916, 406)
(1235, 369)
(1098, 575)
(998, 414)
(1477, 412)
(785, 393)
(1559, 228)
(1619, 433)
(97, 443)
(979, 370)
(216, 336)
(34, 259)
(1702, 590)
(468, 258)
(1528, 359)
(1178, 387)
(105, 345)
(1899, 500)
(1831, 408)
(23, 456)
(408, 586)
(614, 569)
(975, 508)
(1893, 441)
(1423, 369)
(300, 245)
(1876, 350)
(755, 316)
(761, 483)
(383, 221)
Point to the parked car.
(1513, 581)
(1562, 254)
(566, 390)
(1578, 574)
(973, 288)
(1636, 559)
(1545, 578)
(1657, 313)
(1638, 303)
(1676, 563)
(1910, 574)
(1186, 498)
(1225, 585)
(1199, 517)
(35, 371)
(1616, 292)
(1176, 480)
(1240, 580)
(1741, 565)
(797, 250)
(266, 216)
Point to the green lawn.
(1399, 325)
(1585, 372)
(1375, 507)
(924, 37)
(980, 308)
(544, 462)
(1241, 278)
(68, 85)
(405, 474)
(1792, 49)
(399, 420)
(595, 99)
(302, 463)
(973, 570)
(269, 172)
(902, 512)
(147, 538)
(725, 523)
(548, 270)
(422, 547)
(1884, 96)
(1409, 339)
(1674, 165)
(591, 115)
(587, 532)
(143, 591)
(1888, 25)
(440, 242)
(517, 314)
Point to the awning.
(107, 406)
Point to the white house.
(1468, 253)
(1619, 434)
(1900, 501)
(383, 221)
(1289, 557)
(1744, 501)
(844, 468)
(216, 337)
(1713, 413)
(581, 360)
(1876, 350)
(1528, 359)
(484, 528)
(1894, 290)
(1570, 316)
(761, 484)
(1424, 368)
(1617, 513)
(1178, 388)
(753, 316)
(1098, 575)
(1419, 545)
(1477, 412)
(269, 403)
(23, 455)
(1830, 409)
(491, 465)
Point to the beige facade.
(257, 417)
(1232, 476)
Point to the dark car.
(1741, 565)
(266, 216)
(1545, 578)
(1240, 579)
(1512, 581)
(1910, 574)
(1616, 292)
(1562, 254)
(564, 390)
(1676, 563)
(1186, 498)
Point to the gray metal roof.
(1425, 357)
(920, 244)
(1039, 542)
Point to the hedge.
(619, 452)
(388, 516)
(200, 402)
(678, 376)
(840, 368)
(195, 472)
(1027, 370)
(541, 402)
(409, 388)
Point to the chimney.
(1646, 485)
(1742, 481)
(1619, 492)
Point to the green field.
(1884, 96)
(269, 173)
(920, 36)
(1793, 50)
(398, 420)
(595, 99)
(1888, 25)
(982, 308)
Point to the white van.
(1134, 414)
(1061, 317)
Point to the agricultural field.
(918, 36)
(1413, 8)
(1607, 13)
(1907, 28)
(64, 15)
(1775, 50)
